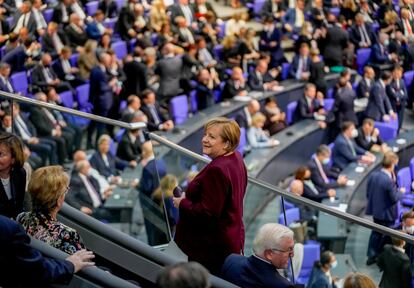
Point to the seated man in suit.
(85, 192)
(54, 40)
(44, 77)
(184, 33)
(369, 137)
(95, 29)
(156, 119)
(64, 70)
(346, 150)
(76, 33)
(366, 83)
(382, 204)
(5, 84)
(379, 106)
(129, 149)
(262, 79)
(308, 107)
(24, 17)
(183, 8)
(61, 12)
(361, 34)
(273, 247)
(133, 106)
(19, 259)
(300, 67)
(323, 176)
(397, 94)
(273, 9)
(244, 118)
(309, 189)
(235, 86)
(207, 83)
(270, 41)
(40, 21)
(380, 54)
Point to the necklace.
(5, 181)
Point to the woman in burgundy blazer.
(210, 226)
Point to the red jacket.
(210, 226)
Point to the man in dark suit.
(43, 76)
(4, 31)
(334, 42)
(109, 8)
(294, 18)
(361, 34)
(48, 126)
(244, 117)
(369, 137)
(383, 197)
(17, 57)
(95, 29)
(366, 83)
(380, 52)
(101, 94)
(5, 84)
(323, 176)
(396, 265)
(18, 258)
(318, 13)
(270, 41)
(126, 19)
(182, 8)
(397, 93)
(133, 106)
(184, 33)
(409, 54)
(262, 79)
(346, 151)
(344, 104)
(75, 32)
(273, 9)
(407, 225)
(169, 69)
(85, 195)
(54, 40)
(156, 119)
(62, 12)
(308, 107)
(64, 69)
(136, 75)
(235, 86)
(24, 17)
(379, 106)
(300, 66)
(260, 269)
(129, 148)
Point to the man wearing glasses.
(272, 247)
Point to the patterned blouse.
(52, 232)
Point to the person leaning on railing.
(48, 187)
(210, 226)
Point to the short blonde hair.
(258, 118)
(103, 138)
(230, 131)
(46, 185)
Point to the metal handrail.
(334, 212)
(276, 190)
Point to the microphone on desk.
(178, 191)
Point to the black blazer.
(49, 47)
(317, 178)
(356, 38)
(363, 142)
(79, 196)
(115, 163)
(76, 39)
(409, 58)
(344, 107)
(57, 67)
(38, 78)
(58, 14)
(109, 8)
(255, 83)
(335, 41)
(230, 90)
(11, 208)
(303, 111)
(396, 268)
(398, 96)
(31, 24)
(151, 121)
(40, 120)
(363, 90)
(127, 150)
(241, 119)
(125, 22)
(136, 78)
(295, 65)
(308, 193)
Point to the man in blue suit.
(270, 41)
(347, 151)
(383, 197)
(95, 28)
(294, 18)
(273, 246)
(397, 93)
(23, 266)
(300, 67)
(380, 53)
(379, 106)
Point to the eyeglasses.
(66, 190)
(290, 251)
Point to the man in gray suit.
(24, 17)
(169, 70)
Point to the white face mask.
(334, 264)
(325, 161)
(409, 229)
(354, 133)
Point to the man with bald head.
(244, 118)
(169, 69)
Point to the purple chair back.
(290, 110)
(222, 32)
(74, 59)
(2, 51)
(82, 93)
(179, 109)
(120, 49)
(328, 104)
(243, 140)
(285, 70)
(10, 21)
(257, 6)
(110, 23)
(311, 254)
(218, 51)
(119, 4)
(404, 178)
(336, 11)
(288, 205)
(388, 131)
(412, 167)
(19, 82)
(154, 39)
(91, 7)
(119, 134)
(363, 55)
(48, 15)
(408, 78)
(292, 215)
(131, 45)
(193, 101)
(67, 98)
(330, 93)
